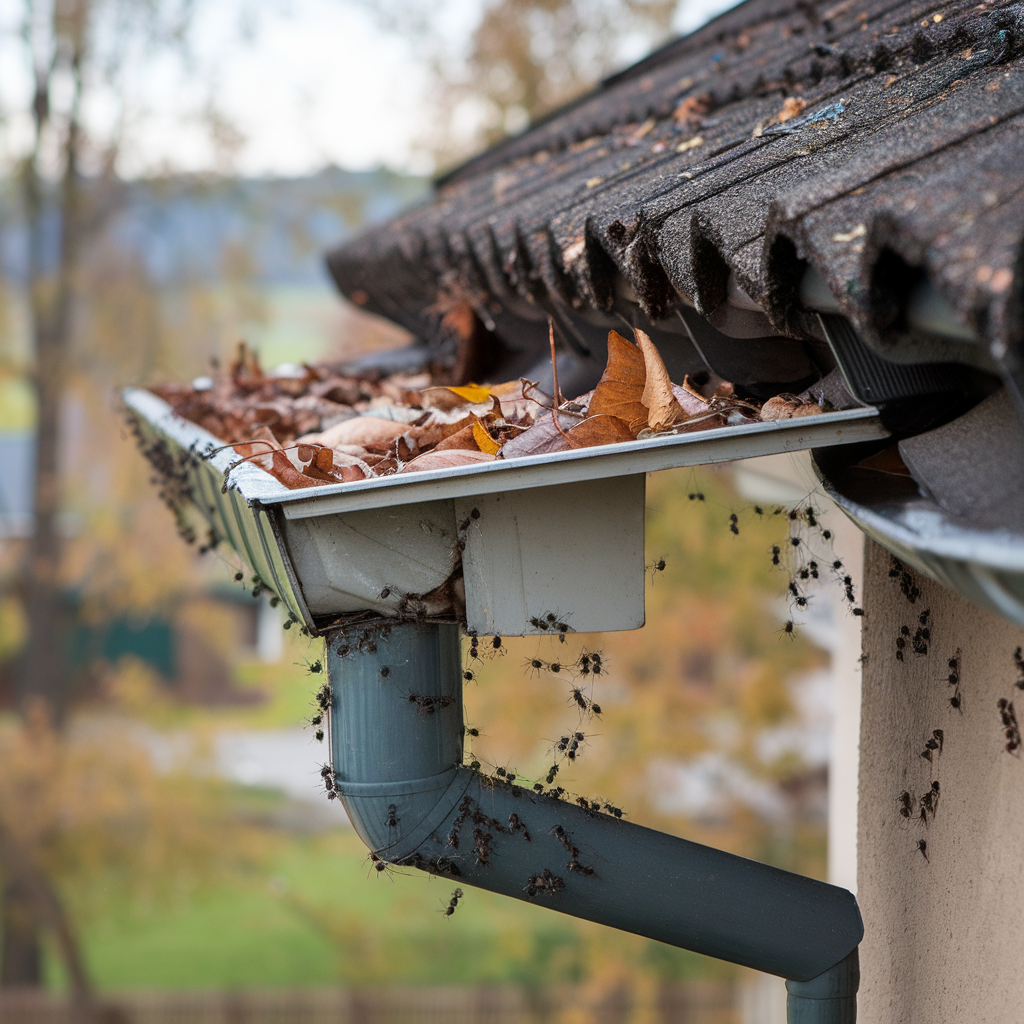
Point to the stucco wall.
(944, 937)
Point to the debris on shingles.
(787, 123)
(411, 425)
(909, 123)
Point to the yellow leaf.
(484, 441)
(472, 393)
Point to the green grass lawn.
(314, 917)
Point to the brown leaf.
(597, 430)
(781, 407)
(619, 392)
(540, 439)
(664, 410)
(448, 459)
(463, 439)
(691, 402)
(431, 434)
(361, 430)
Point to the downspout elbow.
(397, 732)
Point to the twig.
(558, 394)
(554, 363)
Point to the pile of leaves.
(312, 425)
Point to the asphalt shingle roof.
(907, 151)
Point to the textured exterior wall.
(944, 936)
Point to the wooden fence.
(688, 1003)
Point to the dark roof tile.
(921, 155)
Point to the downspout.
(397, 746)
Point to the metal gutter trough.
(382, 569)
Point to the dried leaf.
(619, 392)
(484, 441)
(597, 430)
(463, 438)
(451, 398)
(540, 439)
(432, 433)
(448, 459)
(664, 410)
(692, 403)
(361, 430)
(781, 407)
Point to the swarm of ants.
(806, 554)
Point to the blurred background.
(170, 173)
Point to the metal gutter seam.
(396, 739)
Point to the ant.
(574, 745)
(696, 496)
(1011, 729)
(734, 524)
(552, 772)
(930, 802)
(453, 902)
(464, 525)
(392, 819)
(954, 680)
(933, 748)
(428, 705)
(656, 567)
(898, 571)
(758, 511)
(906, 804)
(378, 864)
(516, 825)
(546, 883)
(776, 552)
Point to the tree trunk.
(21, 963)
(44, 674)
(28, 903)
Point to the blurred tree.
(76, 50)
(524, 59)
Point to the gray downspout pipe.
(397, 746)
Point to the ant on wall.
(933, 748)
(956, 701)
(1010, 728)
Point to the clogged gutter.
(310, 425)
